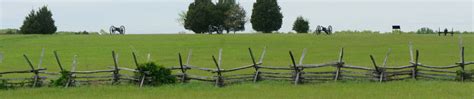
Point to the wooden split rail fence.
(297, 72)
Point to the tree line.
(266, 17)
(201, 14)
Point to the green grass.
(266, 89)
(94, 52)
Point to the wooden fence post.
(41, 59)
(410, 47)
(221, 82)
(142, 80)
(35, 72)
(148, 57)
(219, 79)
(303, 54)
(58, 60)
(377, 69)
(415, 66)
(183, 70)
(116, 72)
(262, 55)
(256, 76)
(339, 64)
(462, 64)
(71, 75)
(135, 60)
(382, 71)
(219, 61)
(188, 59)
(297, 73)
(190, 53)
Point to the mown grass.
(94, 52)
(266, 89)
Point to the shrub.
(425, 30)
(3, 84)
(155, 74)
(467, 74)
(62, 80)
(301, 25)
(357, 31)
(9, 31)
(83, 32)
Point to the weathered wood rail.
(301, 73)
(297, 72)
(33, 81)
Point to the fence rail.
(297, 72)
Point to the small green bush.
(4, 85)
(61, 81)
(155, 74)
(467, 74)
(425, 30)
(9, 31)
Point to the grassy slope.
(94, 53)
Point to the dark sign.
(396, 27)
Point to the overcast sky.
(159, 16)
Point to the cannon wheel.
(318, 30)
(112, 29)
(122, 29)
(329, 29)
(210, 29)
(221, 29)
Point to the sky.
(160, 16)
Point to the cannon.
(327, 30)
(218, 29)
(120, 30)
(445, 31)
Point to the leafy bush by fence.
(62, 80)
(155, 74)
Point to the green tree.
(182, 18)
(266, 16)
(203, 13)
(425, 30)
(235, 19)
(39, 22)
(200, 14)
(222, 7)
(301, 25)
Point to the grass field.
(94, 52)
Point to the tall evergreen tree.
(39, 22)
(266, 16)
